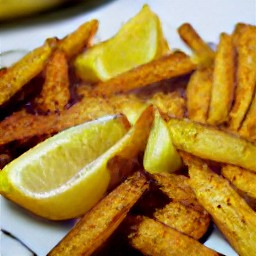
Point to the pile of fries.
(209, 102)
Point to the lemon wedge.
(160, 154)
(59, 178)
(64, 176)
(139, 41)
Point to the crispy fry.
(75, 42)
(199, 94)
(235, 219)
(23, 126)
(24, 70)
(248, 129)
(241, 178)
(154, 238)
(173, 65)
(213, 144)
(55, 92)
(246, 75)
(205, 55)
(99, 223)
(223, 81)
(183, 213)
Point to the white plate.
(208, 17)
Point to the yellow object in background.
(18, 8)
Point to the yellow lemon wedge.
(139, 41)
(59, 178)
(160, 154)
(67, 174)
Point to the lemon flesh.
(60, 178)
(139, 41)
(160, 154)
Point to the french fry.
(101, 221)
(232, 215)
(223, 81)
(22, 126)
(154, 238)
(187, 219)
(55, 92)
(199, 94)
(173, 65)
(241, 178)
(213, 144)
(183, 213)
(24, 70)
(75, 42)
(248, 129)
(246, 75)
(204, 54)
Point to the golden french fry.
(205, 55)
(22, 126)
(55, 92)
(223, 81)
(173, 65)
(100, 222)
(154, 238)
(24, 70)
(213, 144)
(246, 75)
(241, 178)
(183, 213)
(199, 94)
(75, 42)
(232, 215)
(248, 129)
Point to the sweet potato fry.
(24, 70)
(173, 65)
(204, 54)
(213, 144)
(241, 178)
(100, 222)
(55, 92)
(223, 81)
(75, 42)
(154, 238)
(232, 215)
(246, 75)
(22, 126)
(183, 213)
(199, 94)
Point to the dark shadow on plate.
(65, 11)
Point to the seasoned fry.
(235, 219)
(183, 213)
(101, 221)
(23, 126)
(154, 238)
(241, 178)
(203, 52)
(246, 75)
(248, 129)
(24, 70)
(173, 65)
(199, 94)
(55, 92)
(75, 42)
(213, 144)
(223, 81)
